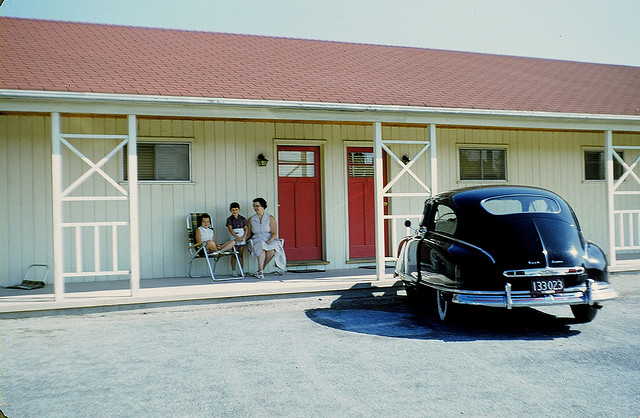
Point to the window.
(294, 163)
(445, 220)
(483, 164)
(594, 165)
(161, 162)
(508, 205)
(361, 164)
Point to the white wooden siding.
(547, 159)
(224, 169)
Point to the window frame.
(161, 141)
(481, 148)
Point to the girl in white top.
(263, 231)
(206, 236)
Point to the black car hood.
(527, 243)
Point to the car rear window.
(509, 205)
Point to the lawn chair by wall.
(198, 251)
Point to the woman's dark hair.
(260, 200)
(201, 217)
(234, 205)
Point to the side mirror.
(407, 223)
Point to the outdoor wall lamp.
(405, 159)
(262, 160)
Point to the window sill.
(160, 182)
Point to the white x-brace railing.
(61, 195)
(383, 190)
(623, 224)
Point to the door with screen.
(362, 222)
(299, 212)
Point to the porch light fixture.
(405, 159)
(262, 160)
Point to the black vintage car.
(503, 246)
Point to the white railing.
(627, 229)
(384, 193)
(393, 230)
(61, 196)
(98, 250)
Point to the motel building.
(110, 136)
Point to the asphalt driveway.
(323, 356)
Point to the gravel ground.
(324, 356)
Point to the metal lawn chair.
(198, 251)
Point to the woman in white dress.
(266, 245)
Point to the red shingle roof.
(78, 57)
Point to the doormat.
(374, 267)
(28, 285)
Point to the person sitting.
(206, 236)
(237, 226)
(265, 244)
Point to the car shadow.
(393, 316)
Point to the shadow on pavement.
(393, 316)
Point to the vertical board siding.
(548, 159)
(224, 169)
(26, 232)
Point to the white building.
(200, 108)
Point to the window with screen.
(161, 162)
(594, 165)
(483, 164)
(361, 164)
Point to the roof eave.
(209, 107)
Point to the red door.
(362, 221)
(299, 211)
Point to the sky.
(600, 31)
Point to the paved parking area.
(323, 355)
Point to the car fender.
(406, 264)
(596, 264)
(450, 262)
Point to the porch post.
(434, 159)
(608, 175)
(379, 198)
(133, 205)
(56, 204)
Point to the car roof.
(472, 215)
(475, 194)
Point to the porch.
(116, 295)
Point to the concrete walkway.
(116, 295)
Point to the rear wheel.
(584, 313)
(446, 308)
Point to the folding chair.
(197, 250)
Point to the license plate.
(546, 286)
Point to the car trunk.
(533, 243)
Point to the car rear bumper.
(590, 293)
